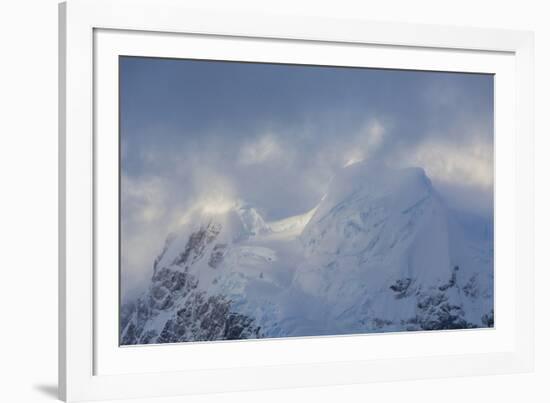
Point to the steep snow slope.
(381, 252)
(385, 253)
(291, 227)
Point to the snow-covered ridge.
(380, 252)
(292, 226)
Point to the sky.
(211, 133)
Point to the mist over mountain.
(209, 134)
(382, 251)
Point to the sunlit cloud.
(469, 164)
(368, 140)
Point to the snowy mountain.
(381, 252)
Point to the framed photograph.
(256, 201)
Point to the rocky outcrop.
(185, 312)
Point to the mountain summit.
(381, 252)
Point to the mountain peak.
(381, 252)
(365, 184)
(377, 176)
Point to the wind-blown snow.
(381, 252)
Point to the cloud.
(262, 149)
(368, 140)
(204, 136)
(283, 172)
(145, 223)
(155, 206)
(469, 164)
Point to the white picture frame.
(92, 366)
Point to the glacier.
(381, 252)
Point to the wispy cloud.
(259, 150)
(469, 164)
(367, 142)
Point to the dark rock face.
(489, 319)
(206, 319)
(470, 289)
(401, 287)
(197, 243)
(434, 311)
(216, 258)
(451, 282)
(198, 318)
(133, 324)
(126, 312)
(191, 314)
